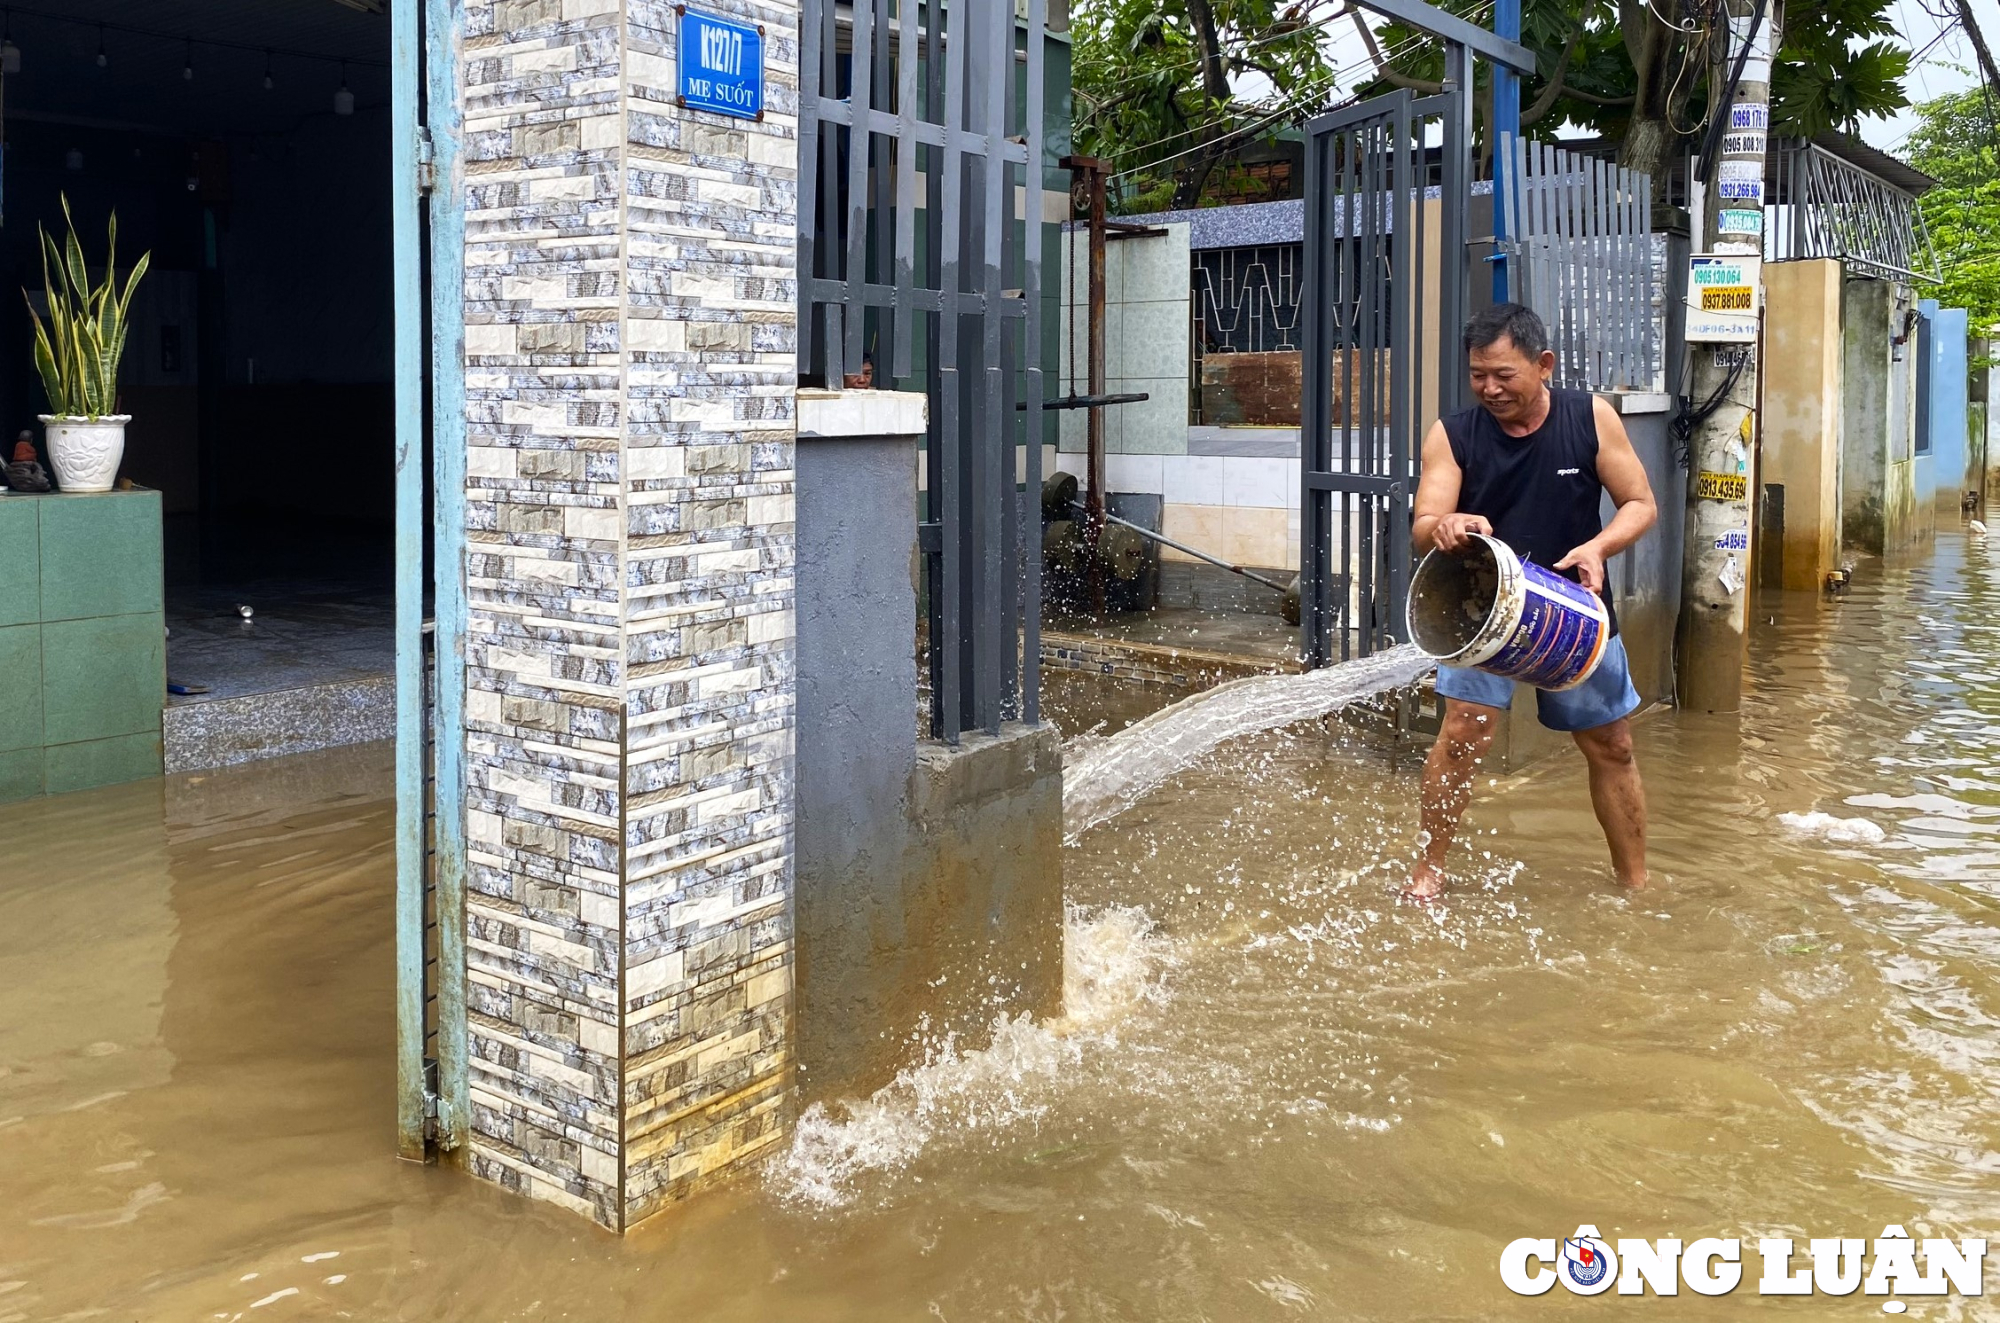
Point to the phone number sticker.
(1721, 486)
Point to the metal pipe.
(1184, 548)
(1094, 506)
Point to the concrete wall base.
(929, 897)
(962, 923)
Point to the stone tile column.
(629, 377)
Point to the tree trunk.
(1649, 135)
(1215, 89)
(1189, 183)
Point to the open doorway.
(245, 144)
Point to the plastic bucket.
(1490, 609)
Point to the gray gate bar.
(1364, 324)
(916, 262)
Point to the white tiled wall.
(1145, 343)
(1242, 508)
(1193, 480)
(1261, 482)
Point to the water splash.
(1108, 776)
(1113, 963)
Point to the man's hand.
(1588, 562)
(1454, 531)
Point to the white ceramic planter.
(86, 451)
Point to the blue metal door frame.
(407, 273)
(427, 213)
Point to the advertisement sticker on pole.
(1724, 296)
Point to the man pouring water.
(1528, 465)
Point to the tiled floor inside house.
(297, 634)
(1202, 607)
(311, 663)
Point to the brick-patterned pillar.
(630, 378)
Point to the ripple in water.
(1114, 962)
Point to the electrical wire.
(1292, 102)
(1227, 138)
(1297, 102)
(1692, 54)
(1346, 7)
(1336, 72)
(1713, 142)
(1685, 27)
(1691, 416)
(1195, 61)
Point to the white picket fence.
(1580, 252)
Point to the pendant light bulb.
(343, 100)
(102, 58)
(268, 84)
(187, 69)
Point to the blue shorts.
(1602, 699)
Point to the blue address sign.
(722, 66)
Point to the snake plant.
(77, 349)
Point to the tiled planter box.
(82, 641)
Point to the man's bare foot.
(1426, 884)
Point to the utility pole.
(1716, 569)
(1092, 171)
(1979, 45)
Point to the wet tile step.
(222, 732)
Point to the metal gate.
(920, 252)
(1385, 295)
(1387, 277)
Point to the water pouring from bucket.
(1485, 607)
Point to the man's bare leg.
(1461, 747)
(1618, 796)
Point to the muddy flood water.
(1282, 1096)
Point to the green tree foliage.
(1830, 74)
(1155, 85)
(1622, 70)
(1156, 79)
(1955, 144)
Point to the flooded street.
(1279, 1095)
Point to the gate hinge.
(426, 162)
(437, 1120)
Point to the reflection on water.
(1295, 1098)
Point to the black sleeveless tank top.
(1540, 491)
